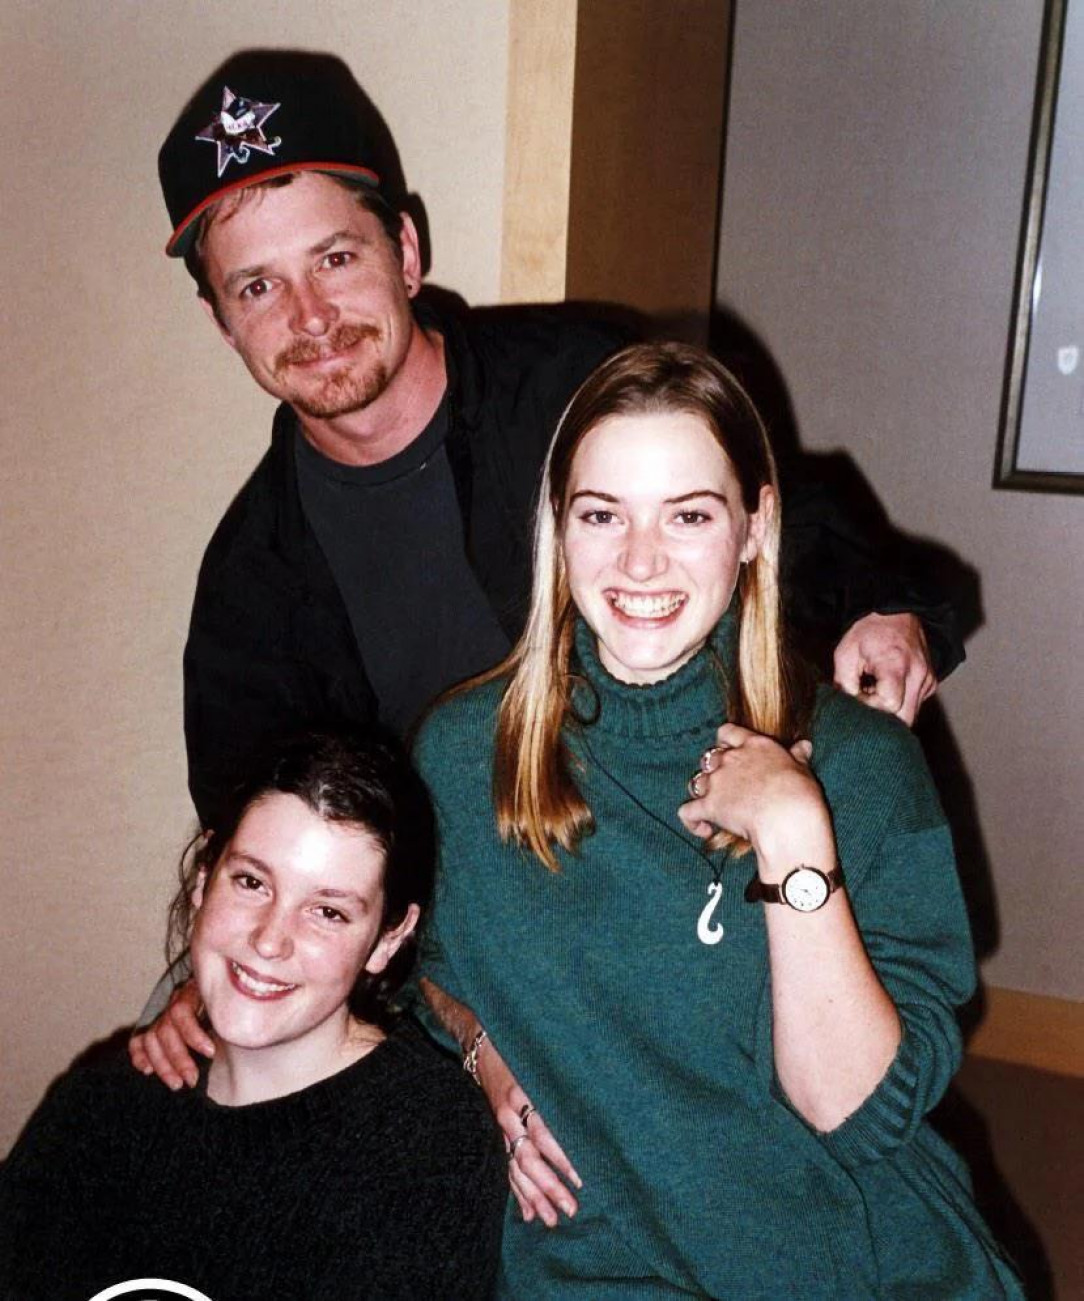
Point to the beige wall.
(127, 427)
(874, 183)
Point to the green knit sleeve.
(434, 966)
(896, 851)
(912, 918)
(448, 734)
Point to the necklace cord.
(702, 855)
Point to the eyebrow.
(328, 892)
(242, 273)
(340, 236)
(668, 501)
(235, 856)
(260, 269)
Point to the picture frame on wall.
(1041, 438)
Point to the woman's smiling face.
(653, 535)
(290, 916)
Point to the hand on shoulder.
(884, 661)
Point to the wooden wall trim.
(647, 157)
(1031, 1030)
(613, 150)
(538, 149)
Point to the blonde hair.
(538, 804)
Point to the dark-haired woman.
(322, 1155)
(717, 1063)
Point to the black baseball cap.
(259, 116)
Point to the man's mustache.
(341, 337)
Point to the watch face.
(806, 889)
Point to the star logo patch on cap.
(237, 129)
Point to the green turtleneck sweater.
(649, 1052)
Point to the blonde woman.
(712, 1011)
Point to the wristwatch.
(805, 889)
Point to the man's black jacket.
(270, 645)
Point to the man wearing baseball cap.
(381, 550)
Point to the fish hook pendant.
(707, 931)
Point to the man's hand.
(884, 660)
(165, 1048)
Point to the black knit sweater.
(386, 1180)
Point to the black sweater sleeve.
(841, 561)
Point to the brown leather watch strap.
(758, 891)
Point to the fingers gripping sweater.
(649, 1053)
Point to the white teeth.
(644, 606)
(257, 986)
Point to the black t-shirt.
(393, 537)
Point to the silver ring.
(525, 1113)
(694, 784)
(705, 758)
(520, 1138)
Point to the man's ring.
(520, 1138)
(525, 1113)
(695, 784)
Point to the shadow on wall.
(959, 1121)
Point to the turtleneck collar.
(691, 698)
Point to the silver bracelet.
(470, 1057)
